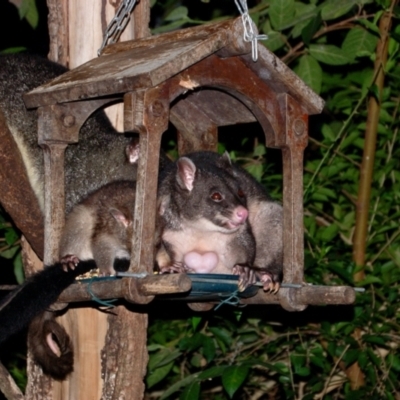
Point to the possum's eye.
(240, 193)
(216, 196)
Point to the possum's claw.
(269, 282)
(176, 268)
(70, 261)
(247, 277)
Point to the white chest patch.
(203, 250)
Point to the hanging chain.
(248, 34)
(117, 24)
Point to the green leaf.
(303, 371)
(19, 268)
(163, 357)
(195, 322)
(370, 280)
(359, 42)
(158, 374)
(309, 30)
(310, 72)
(211, 373)
(298, 360)
(329, 232)
(256, 170)
(10, 252)
(394, 361)
(191, 392)
(379, 340)
(12, 50)
(275, 41)
(190, 343)
(304, 14)
(233, 377)
(222, 334)
(281, 13)
(178, 385)
(28, 10)
(328, 54)
(319, 361)
(11, 236)
(177, 13)
(259, 150)
(208, 348)
(333, 9)
(362, 359)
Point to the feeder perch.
(198, 79)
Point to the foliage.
(10, 247)
(265, 352)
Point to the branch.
(354, 373)
(367, 166)
(8, 386)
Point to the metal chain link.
(248, 34)
(118, 23)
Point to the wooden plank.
(200, 32)
(139, 67)
(219, 107)
(17, 196)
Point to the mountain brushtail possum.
(202, 224)
(98, 232)
(190, 224)
(97, 159)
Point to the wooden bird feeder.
(157, 79)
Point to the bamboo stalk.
(354, 372)
(367, 166)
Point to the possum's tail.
(30, 300)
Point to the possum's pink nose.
(241, 214)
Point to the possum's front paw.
(70, 261)
(270, 282)
(247, 276)
(178, 268)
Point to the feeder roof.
(145, 63)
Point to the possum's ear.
(120, 217)
(186, 173)
(225, 161)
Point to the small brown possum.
(99, 228)
(98, 232)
